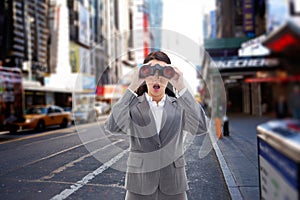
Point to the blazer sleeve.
(119, 118)
(194, 117)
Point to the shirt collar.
(161, 103)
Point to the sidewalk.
(237, 155)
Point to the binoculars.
(147, 70)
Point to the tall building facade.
(146, 22)
(65, 45)
(24, 36)
(155, 23)
(240, 18)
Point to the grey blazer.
(156, 160)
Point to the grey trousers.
(157, 195)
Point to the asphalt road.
(65, 164)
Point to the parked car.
(84, 115)
(102, 108)
(40, 117)
(69, 109)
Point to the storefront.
(36, 94)
(244, 95)
(285, 43)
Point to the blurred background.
(52, 48)
(65, 61)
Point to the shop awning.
(110, 91)
(36, 86)
(285, 40)
(273, 79)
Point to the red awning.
(273, 79)
(285, 40)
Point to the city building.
(238, 23)
(24, 36)
(55, 86)
(256, 52)
(155, 18)
(117, 42)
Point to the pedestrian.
(294, 102)
(281, 107)
(155, 111)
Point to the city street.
(56, 164)
(64, 62)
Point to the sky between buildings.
(182, 20)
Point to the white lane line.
(55, 154)
(49, 139)
(73, 188)
(71, 164)
(62, 151)
(21, 137)
(68, 183)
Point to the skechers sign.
(247, 63)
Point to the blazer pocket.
(179, 162)
(134, 162)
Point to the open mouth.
(156, 86)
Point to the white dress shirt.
(157, 110)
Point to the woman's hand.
(177, 79)
(136, 80)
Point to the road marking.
(52, 138)
(39, 135)
(55, 154)
(73, 129)
(114, 185)
(71, 164)
(73, 188)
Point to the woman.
(155, 120)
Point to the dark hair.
(158, 55)
(161, 56)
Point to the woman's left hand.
(177, 79)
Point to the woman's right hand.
(136, 80)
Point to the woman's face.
(156, 84)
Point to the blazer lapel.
(170, 114)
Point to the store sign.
(247, 63)
(248, 18)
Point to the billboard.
(74, 57)
(88, 83)
(248, 18)
(83, 25)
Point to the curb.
(233, 189)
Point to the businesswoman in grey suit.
(155, 120)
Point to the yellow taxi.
(40, 117)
